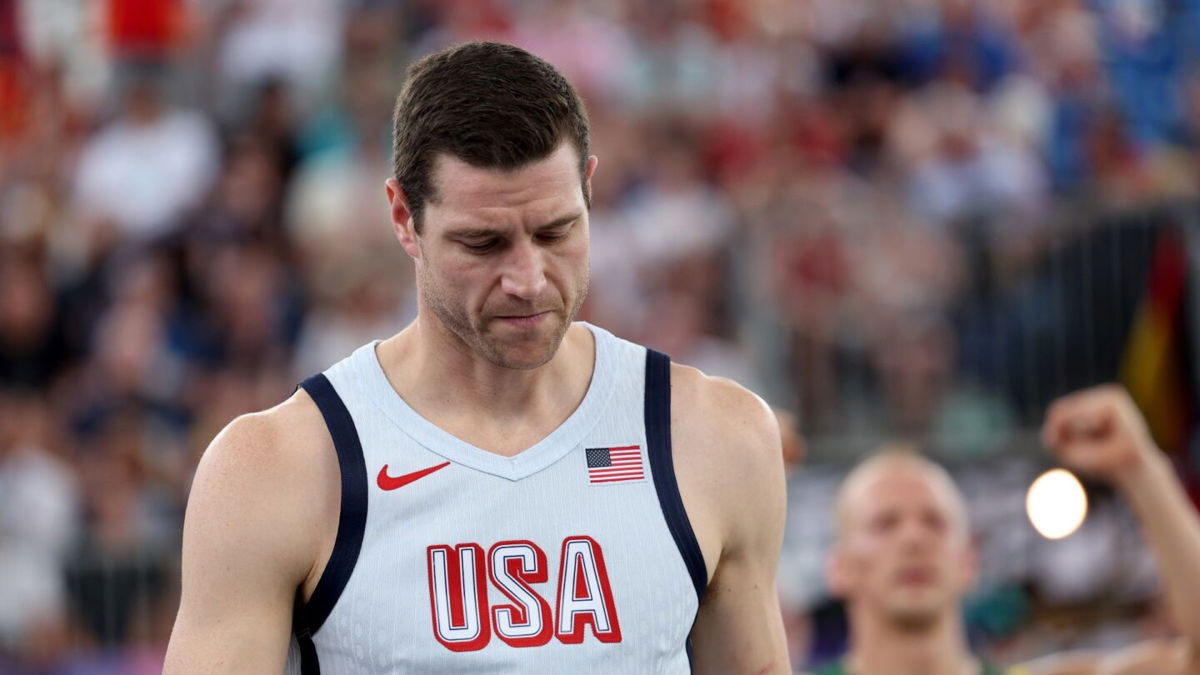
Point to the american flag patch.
(615, 465)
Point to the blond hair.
(886, 456)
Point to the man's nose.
(524, 274)
(915, 534)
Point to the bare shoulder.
(262, 505)
(267, 478)
(287, 441)
(721, 418)
(290, 424)
(729, 461)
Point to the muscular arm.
(735, 484)
(249, 541)
(1151, 657)
(1099, 432)
(1172, 529)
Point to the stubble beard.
(474, 334)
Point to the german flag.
(1154, 366)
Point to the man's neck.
(478, 401)
(880, 647)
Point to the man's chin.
(525, 352)
(916, 613)
(914, 621)
(521, 359)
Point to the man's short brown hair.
(492, 105)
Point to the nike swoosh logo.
(387, 482)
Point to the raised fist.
(1098, 432)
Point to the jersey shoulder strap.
(662, 466)
(307, 617)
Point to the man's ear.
(838, 573)
(970, 569)
(588, 172)
(402, 218)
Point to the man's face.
(904, 551)
(503, 255)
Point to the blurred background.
(909, 220)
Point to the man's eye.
(885, 523)
(554, 235)
(935, 522)
(481, 247)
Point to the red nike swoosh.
(387, 482)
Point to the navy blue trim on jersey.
(658, 440)
(352, 520)
(309, 664)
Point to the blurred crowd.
(813, 197)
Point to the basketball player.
(496, 488)
(902, 560)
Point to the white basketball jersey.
(575, 555)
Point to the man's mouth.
(917, 576)
(523, 320)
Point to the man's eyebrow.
(559, 222)
(471, 233)
(484, 232)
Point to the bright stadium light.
(1056, 504)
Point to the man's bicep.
(240, 569)
(241, 640)
(232, 615)
(740, 627)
